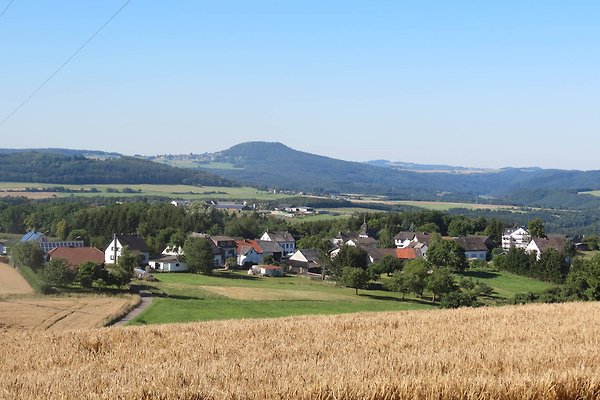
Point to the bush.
(484, 289)
(459, 299)
(57, 273)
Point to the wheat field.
(519, 352)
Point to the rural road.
(11, 282)
(145, 301)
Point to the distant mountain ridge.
(66, 152)
(400, 165)
(274, 165)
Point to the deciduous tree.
(198, 255)
(356, 278)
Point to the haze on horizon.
(464, 83)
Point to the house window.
(112, 248)
(112, 257)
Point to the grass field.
(232, 295)
(437, 205)
(195, 297)
(505, 284)
(592, 192)
(173, 191)
(529, 352)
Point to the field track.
(532, 352)
(11, 282)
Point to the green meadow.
(173, 191)
(184, 297)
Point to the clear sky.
(471, 83)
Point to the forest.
(75, 169)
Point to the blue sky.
(471, 83)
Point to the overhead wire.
(6, 8)
(64, 64)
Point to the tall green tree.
(87, 273)
(27, 254)
(348, 256)
(415, 273)
(399, 283)
(440, 282)
(57, 273)
(536, 228)
(551, 266)
(495, 229)
(356, 278)
(447, 253)
(583, 279)
(386, 239)
(198, 255)
(460, 226)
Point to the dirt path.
(11, 282)
(145, 301)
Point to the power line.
(65, 63)
(6, 8)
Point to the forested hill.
(48, 167)
(66, 152)
(276, 165)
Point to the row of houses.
(281, 247)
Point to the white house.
(475, 246)
(285, 240)
(168, 263)
(249, 252)
(410, 239)
(518, 237)
(539, 245)
(135, 244)
(303, 260)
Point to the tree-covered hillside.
(276, 165)
(75, 169)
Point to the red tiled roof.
(408, 253)
(247, 244)
(75, 256)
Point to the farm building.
(168, 263)
(475, 246)
(75, 256)
(304, 261)
(46, 244)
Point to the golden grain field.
(37, 313)
(519, 352)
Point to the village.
(276, 254)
